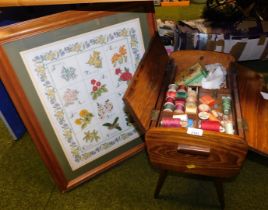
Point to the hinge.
(155, 114)
(242, 124)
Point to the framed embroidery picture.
(67, 78)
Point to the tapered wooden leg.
(219, 187)
(161, 180)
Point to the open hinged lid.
(147, 83)
(254, 109)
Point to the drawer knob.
(193, 150)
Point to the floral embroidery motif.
(41, 60)
(68, 73)
(120, 57)
(97, 89)
(113, 125)
(70, 97)
(85, 118)
(123, 75)
(104, 109)
(95, 59)
(91, 136)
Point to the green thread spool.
(181, 95)
(226, 104)
(169, 107)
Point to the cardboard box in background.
(247, 40)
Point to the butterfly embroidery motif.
(113, 125)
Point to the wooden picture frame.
(56, 39)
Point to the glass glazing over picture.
(81, 81)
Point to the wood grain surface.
(8, 3)
(143, 92)
(212, 154)
(254, 109)
(223, 156)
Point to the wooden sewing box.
(214, 154)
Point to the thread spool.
(181, 95)
(203, 115)
(229, 129)
(191, 99)
(179, 108)
(169, 100)
(192, 93)
(190, 108)
(211, 126)
(190, 123)
(172, 87)
(226, 104)
(171, 94)
(169, 107)
(182, 88)
(203, 108)
(179, 101)
(170, 122)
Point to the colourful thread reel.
(226, 104)
(211, 126)
(170, 122)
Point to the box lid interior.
(143, 92)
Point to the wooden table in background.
(254, 109)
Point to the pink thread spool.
(171, 94)
(169, 100)
(179, 106)
(182, 88)
(170, 122)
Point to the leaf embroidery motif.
(91, 136)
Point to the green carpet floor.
(25, 183)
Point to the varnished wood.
(103, 167)
(16, 91)
(162, 177)
(186, 58)
(8, 3)
(147, 82)
(254, 109)
(43, 24)
(225, 159)
(213, 154)
(30, 121)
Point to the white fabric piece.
(215, 78)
